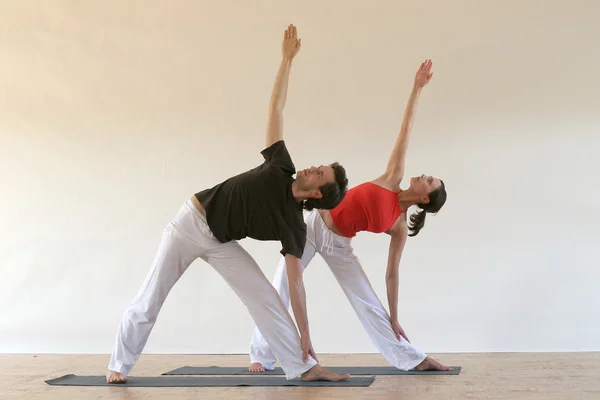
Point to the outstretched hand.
(424, 74)
(307, 349)
(291, 43)
(398, 331)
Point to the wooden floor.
(502, 376)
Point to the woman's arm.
(398, 235)
(395, 167)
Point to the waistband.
(193, 208)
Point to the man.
(264, 203)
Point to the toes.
(256, 369)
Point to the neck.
(407, 198)
(299, 194)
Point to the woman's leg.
(261, 356)
(373, 316)
(247, 280)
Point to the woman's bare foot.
(318, 373)
(429, 364)
(256, 367)
(115, 377)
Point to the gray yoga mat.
(377, 370)
(194, 381)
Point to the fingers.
(290, 33)
(304, 356)
(404, 336)
(313, 354)
(426, 65)
(299, 44)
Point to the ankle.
(311, 369)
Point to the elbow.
(392, 273)
(391, 276)
(294, 279)
(275, 108)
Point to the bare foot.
(429, 364)
(115, 377)
(318, 373)
(256, 367)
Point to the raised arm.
(291, 46)
(395, 168)
(398, 235)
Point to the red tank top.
(366, 207)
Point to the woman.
(377, 206)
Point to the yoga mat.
(377, 370)
(194, 381)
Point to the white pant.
(186, 238)
(338, 253)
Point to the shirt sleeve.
(293, 242)
(277, 154)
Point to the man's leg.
(261, 355)
(247, 280)
(175, 254)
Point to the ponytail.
(437, 198)
(417, 220)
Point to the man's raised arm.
(291, 46)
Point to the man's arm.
(298, 300)
(291, 46)
(395, 167)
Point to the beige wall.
(113, 113)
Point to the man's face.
(311, 179)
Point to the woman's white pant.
(185, 239)
(338, 253)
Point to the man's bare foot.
(115, 377)
(318, 373)
(429, 364)
(256, 367)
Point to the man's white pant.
(338, 253)
(185, 239)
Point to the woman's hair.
(437, 198)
